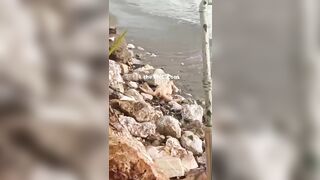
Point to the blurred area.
(53, 112)
(266, 89)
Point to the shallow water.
(169, 29)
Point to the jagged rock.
(124, 68)
(131, 46)
(169, 126)
(157, 77)
(178, 98)
(191, 142)
(121, 54)
(175, 106)
(194, 126)
(132, 77)
(135, 94)
(141, 111)
(128, 159)
(115, 79)
(138, 129)
(170, 166)
(147, 96)
(145, 68)
(193, 112)
(173, 148)
(133, 84)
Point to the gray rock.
(135, 94)
(193, 112)
(191, 142)
(141, 111)
(133, 84)
(137, 129)
(136, 61)
(175, 106)
(145, 68)
(115, 79)
(169, 126)
(157, 77)
(147, 96)
(140, 48)
(132, 77)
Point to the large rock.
(128, 160)
(191, 142)
(192, 112)
(135, 94)
(170, 166)
(121, 54)
(173, 149)
(157, 77)
(169, 126)
(115, 79)
(141, 111)
(137, 129)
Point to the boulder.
(191, 142)
(192, 112)
(170, 166)
(133, 85)
(169, 126)
(147, 96)
(128, 159)
(141, 111)
(135, 94)
(137, 129)
(115, 79)
(157, 77)
(121, 54)
(175, 106)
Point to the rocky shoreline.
(154, 132)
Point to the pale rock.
(145, 68)
(153, 55)
(127, 98)
(191, 142)
(135, 94)
(175, 106)
(115, 79)
(131, 46)
(141, 111)
(178, 98)
(124, 68)
(158, 77)
(131, 53)
(147, 96)
(169, 126)
(140, 48)
(136, 61)
(133, 84)
(111, 39)
(138, 129)
(193, 112)
(170, 166)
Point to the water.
(169, 28)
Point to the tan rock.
(191, 142)
(170, 166)
(169, 126)
(128, 160)
(137, 129)
(141, 111)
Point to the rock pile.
(155, 132)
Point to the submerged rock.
(169, 126)
(193, 112)
(191, 142)
(115, 79)
(138, 129)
